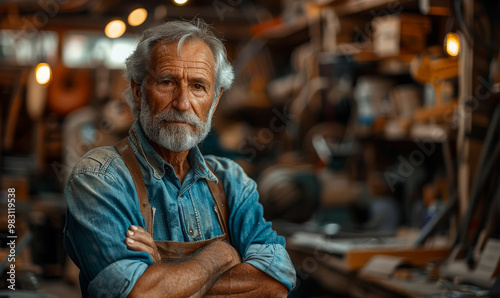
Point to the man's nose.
(181, 100)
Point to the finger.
(136, 228)
(138, 246)
(139, 231)
(142, 237)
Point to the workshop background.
(371, 127)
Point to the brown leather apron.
(171, 250)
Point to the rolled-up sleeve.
(251, 234)
(272, 259)
(100, 209)
(117, 280)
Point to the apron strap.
(220, 207)
(125, 150)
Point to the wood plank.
(14, 111)
(439, 112)
(408, 288)
(286, 29)
(357, 258)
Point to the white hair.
(138, 63)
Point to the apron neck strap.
(220, 206)
(125, 150)
(221, 209)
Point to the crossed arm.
(215, 270)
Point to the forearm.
(190, 278)
(245, 280)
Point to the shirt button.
(191, 232)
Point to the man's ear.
(218, 98)
(136, 91)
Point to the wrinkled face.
(177, 100)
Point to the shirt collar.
(158, 165)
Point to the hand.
(140, 240)
(227, 249)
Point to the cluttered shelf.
(376, 95)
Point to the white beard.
(174, 137)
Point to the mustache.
(178, 116)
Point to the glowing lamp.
(43, 73)
(137, 17)
(180, 2)
(452, 44)
(115, 29)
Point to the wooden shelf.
(285, 29)
(350, 7)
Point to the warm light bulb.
(452, 44)
(137, 17)
(180, 2)
(43, 73)
(115, 29)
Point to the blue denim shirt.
(102, 203)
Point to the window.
(18, 49)
(91, 49)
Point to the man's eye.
(198, 86)
(166, 82)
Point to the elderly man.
(152, 216)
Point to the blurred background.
(371, 127)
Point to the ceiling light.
(137, 17)
(180, 2)
(43, 73)
(115, 29)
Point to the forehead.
(192, 54)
